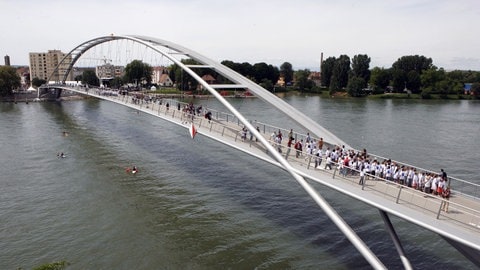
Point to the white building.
(160, 77)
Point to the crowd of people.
(350, 162)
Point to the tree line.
(412, 74)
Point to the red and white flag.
(193, 131)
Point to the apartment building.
(43, 64)
(108, 71)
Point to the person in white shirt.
(328, 163)
(421, 181)
(318, 158)
(434, 185)
(362, 177)
(428, 184)
(415, 181)
(388, 173)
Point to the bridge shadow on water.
(263, 188)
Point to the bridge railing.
(228, 126)
(430, 204)
(457, 185)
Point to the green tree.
(476, 89)
(407, 71)
(89, 77)
(355, 86)
(340, 73)
(183, 80)
(267, 84)
(327, 71)
(273, 74)
(334, 85)
(456, 75)
(302, 82)
(413, 81)
(247, 70)
(399, 80)
(36, 82)
(9, 80)
(413, 62)
(116, 82)
(431, 77)
(261, 71)
(286, 71)
(380, 79)
(361, 66)
(438, 81)
(138, 72)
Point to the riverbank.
(344, 95)
(32, 96)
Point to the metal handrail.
(471, 190)
(473, 214)
(218, 126)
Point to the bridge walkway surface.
(460, 225)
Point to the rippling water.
(197, 204)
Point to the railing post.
(334, 171)
(223, 131)
(398, 196)
(440, 209)
(287, 153)
(309, 161)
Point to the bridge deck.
(461, 223)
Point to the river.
(198, 204)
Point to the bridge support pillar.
(396, 240)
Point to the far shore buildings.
(160, 77)
(316, 77)
(43, 64)
(107, 72)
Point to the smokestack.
(7, 60)
(321, 61)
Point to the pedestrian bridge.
(460, 226)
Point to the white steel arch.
(172, 51)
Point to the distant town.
(410, 76)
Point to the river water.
(197, 204)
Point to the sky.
(254, 31)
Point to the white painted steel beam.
(228, 86)
(160, 45)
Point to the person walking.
(446, 196)
(362, 177)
